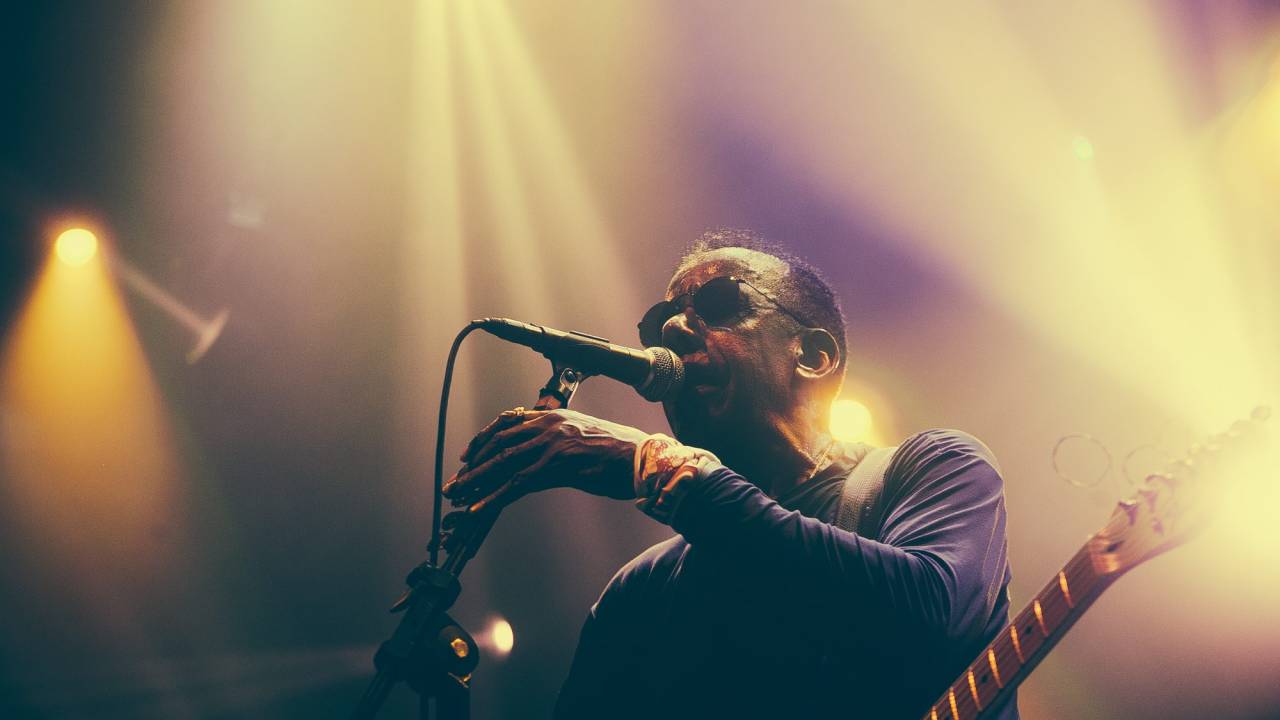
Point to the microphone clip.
(563, 384)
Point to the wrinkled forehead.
(763, 270)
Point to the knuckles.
(566, 442)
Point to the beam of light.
(91, 421)
(1124, 264)
(508, 194)
(505, 218)
(434, 278)
(91, 474)
(1144, 255)
(1237, 494)
(76, 246)
(205, 330)
(1246, 514)
(563, 180)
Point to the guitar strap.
(860, 498)
(859, 506)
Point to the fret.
(1027, 635)
(984, 684)
(962, 701)
(1140, 528)
(1018, 648)
(973, 689)
(1052, 606)
(1035, 605)
(1017, 645)
(995, 667)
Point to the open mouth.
(702, 376)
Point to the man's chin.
(698, 414)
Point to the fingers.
(503, 496)
(506, 419)
(503, 440)
(471, 483)
(512, 490)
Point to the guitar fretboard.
(1020, 646)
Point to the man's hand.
(524, 451)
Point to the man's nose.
(682, 332)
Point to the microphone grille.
(667, 377)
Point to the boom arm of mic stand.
(433, 590)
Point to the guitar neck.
(1019, 648)
(1142, 526)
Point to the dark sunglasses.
(717, 301)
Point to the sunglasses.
(717, 302)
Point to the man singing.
(773, 599)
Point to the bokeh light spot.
(1082, 148)
(502, 635)
(76, 246)
(850, 420)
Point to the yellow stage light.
(76, 246)
(91, 472)
(73, 368)
(850, 420)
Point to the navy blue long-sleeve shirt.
(762, 608)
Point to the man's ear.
(817, 354)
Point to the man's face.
(739, 372)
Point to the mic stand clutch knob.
(563, 383)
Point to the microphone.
(655, 373)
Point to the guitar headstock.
(1171, 506)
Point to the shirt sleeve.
(940, 560)
(607, 657)
(590, 684)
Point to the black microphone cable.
(433, 547)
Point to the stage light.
(850, 420)
(501, 636)
(76, 246)
(92, 468)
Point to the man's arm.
(936, 569)
(941, 558)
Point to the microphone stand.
(429, 650)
